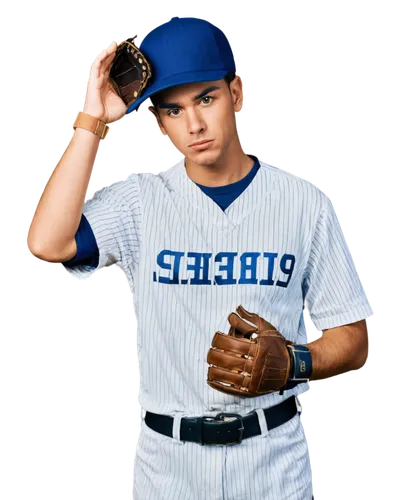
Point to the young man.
(218, 229)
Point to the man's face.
(194, 112)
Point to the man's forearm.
(59, 210)
(339, 350)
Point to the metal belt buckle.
(221, 416)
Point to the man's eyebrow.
(198, 96)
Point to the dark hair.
(228, 78)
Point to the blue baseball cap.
(184, 50)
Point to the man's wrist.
(94, 114)
(301, 362)
(91, 123)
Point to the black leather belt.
(219, 432)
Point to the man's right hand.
(101, 100)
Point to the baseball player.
(218, 232)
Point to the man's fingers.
(105, 55)
(103, 61)
(106, 65)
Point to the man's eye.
(173, 109)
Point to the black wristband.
(301, 361)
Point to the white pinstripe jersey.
(276, 249)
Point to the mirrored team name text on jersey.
(229, 268)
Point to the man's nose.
(195, 122)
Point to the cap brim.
(188, 77)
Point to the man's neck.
(230, 168)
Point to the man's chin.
(206, 158)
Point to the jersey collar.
(257, 191)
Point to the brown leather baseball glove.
(130, 71)
(251, 360)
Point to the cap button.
(174, 18)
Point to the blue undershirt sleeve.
(87, 249)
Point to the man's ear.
(155, 113)
(236, 88)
